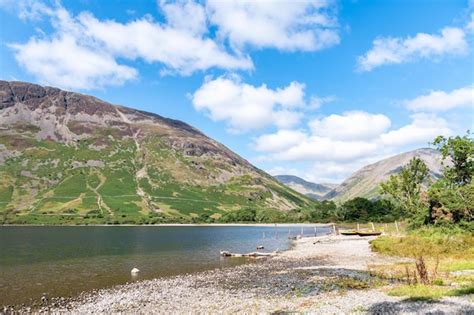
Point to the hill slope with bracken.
(69, 158)
(366, 181)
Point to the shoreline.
(324, 274)
(182, 224)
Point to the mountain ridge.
(310, 189)
(70, 155)
(365, 181)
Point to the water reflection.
(63, 261)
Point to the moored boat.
(369, 233)
(348, 232)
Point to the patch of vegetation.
(448, 202)
(428, 242)
(365, 210)
(428, 292)
(420, 292)
(437, 253)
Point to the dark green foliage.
(406, 187)
(451, 199)
(451, 204)
(270, 216)
(365, 210)
(242, 215)
(298, 215)
(204, 217)
(460, 150)
(325, 211)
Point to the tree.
(451, 204)
(357, 209)
(365, 210)
(460, 150)
(406, 189)
(325, 211)
(452, 197)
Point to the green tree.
(452, 197)
(365, 210)
(450, 204)
(324, 211)
(406, 188)
(460, 150)
(357, 209)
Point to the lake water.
(64, 261)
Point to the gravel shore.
(319, 275)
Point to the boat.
(348, 232)
(369, 233)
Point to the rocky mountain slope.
(72, 158)
(365, 182)
(313, 190)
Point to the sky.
(315, 89)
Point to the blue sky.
(312, 88)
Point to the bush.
(242, 215)
(270, 216)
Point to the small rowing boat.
(348, 232)
(369, 233)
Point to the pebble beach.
(308, 278)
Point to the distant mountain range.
(313, 190)
(66, 157)
(366, 181)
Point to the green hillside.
(87, 161)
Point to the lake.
(66, 260)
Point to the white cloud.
(279, 141)
(396, 50)
(332, 172)
(437, 101)
(88, 49)
(336, 155)
(326, 149)
(63, 62)
(423, 129)
(245, 107)
(355, 125)
(187, 16)
(179, 48)
(306, 25)
(280, 170)
(317, 101)
(195, 36)
(470, 25)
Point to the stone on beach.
(135, 271)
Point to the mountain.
(365, 182)
(66, 157)
(313, 190)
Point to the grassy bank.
(442, 262)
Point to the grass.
(428, 242)
(457, 265)
(428, 292)
(444, 252)
(57, 184)
(420, 292)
